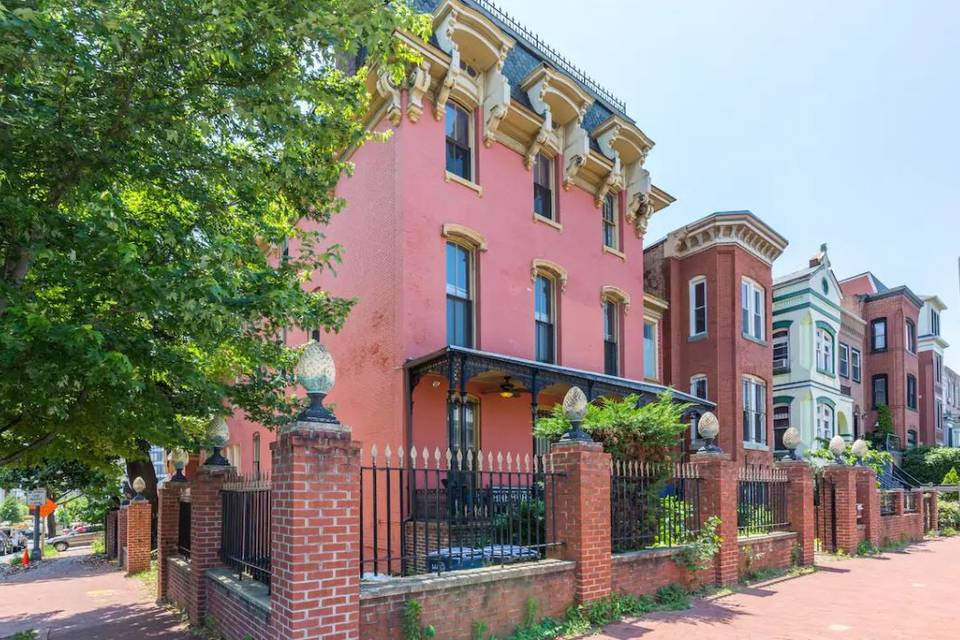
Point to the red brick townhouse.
(494, 243)
(891, 362)
(714, 283)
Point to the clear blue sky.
(834, 121)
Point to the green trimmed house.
(807, 310)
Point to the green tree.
(155, 156)
(931, 464)
(650, 431)
(12, 510)
(951, 477)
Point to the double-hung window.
(781, 350)
(855, 365)
(911, 391)
(543, 186)
(754, 411)
(934, 322)
(825, 430)
(651, 369)
(781, 422)
(611, 338)
(698, 389)
(844, 355)
(462, 432)
(824, 351)
(879, 390)
(938, 367)
(611, 232)
(878, 335)
(459, 296)
(459, 149)
(698, 306)
(911, 331)
(544, 319)
(752, 309)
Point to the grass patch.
(762, 575)
(99, 547)
(24, 635)
(149, 576)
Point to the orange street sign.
(46, 509)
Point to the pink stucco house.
(494, 243)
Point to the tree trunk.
(143, 468)
(51, 518)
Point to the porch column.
(845, 489)
(718, 497)
(582, 508)
(800, 505)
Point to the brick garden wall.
(772, 551)
(454, 601)
(241, 609)
(893, 528)
(641, 572)
(178, 586)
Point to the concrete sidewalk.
(77, 597)
(910, 594)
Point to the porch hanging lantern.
(791, 440)
(837, 447)
(708, 426)
(317, 373)
(179, 459)
(859, 450)
(218, 433)
(139, 485)
(574, 410)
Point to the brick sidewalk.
(912, 594)
(77, 598)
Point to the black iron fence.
(653, 505)
(183, 525)
(245, 532)
(910, 504)
(761, 501)
(887, 507)
(424, 513)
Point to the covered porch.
(467, 400)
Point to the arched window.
(825, 356)
(826, 427)
(612, 327)
(458, 124)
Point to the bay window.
(754, 411)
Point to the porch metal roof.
(458, 363)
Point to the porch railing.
(761, 501)
(427, 512)
(887, 507)
(183, 525)
(653, 505)
(245, 532)
(910, 502)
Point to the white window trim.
(749, 304)
(833, 421)
(843, 348)
(754, 383)
(691, 293)
(656, 347)
(776, 341)
(824, 345)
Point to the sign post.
(36, 498)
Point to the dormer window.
(459, 150)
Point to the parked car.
(12, 539)
(76, 538)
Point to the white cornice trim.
(739, 228)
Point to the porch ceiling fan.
(507, 389)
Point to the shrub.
(931, 464)
(951, 477)
(948, 515)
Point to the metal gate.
(825, 514)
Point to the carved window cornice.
(464, 235)
(550, 268)
(611, 293)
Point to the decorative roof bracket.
(419, 81)
(448, 83)
(496, 102)
(387, 89)
(546, 130)
(614, 180)
(575, 151)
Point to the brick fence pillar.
(581, 498)
(110, 535)
(315, 550)
(897, 502)
(844, 480)
(122, 535)
(718, 497)
(205, 522)
(139, 515)
(168, 531)
(869, 497)
(800, 506)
